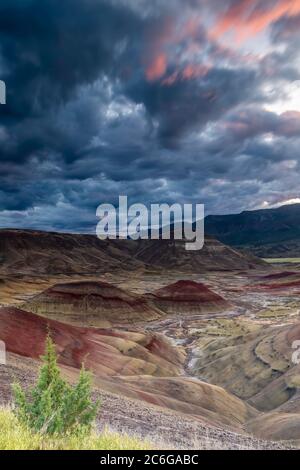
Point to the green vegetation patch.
(224, 327)
(273, 313)
(282, 260)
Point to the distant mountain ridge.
(264, 232)
(36, 252)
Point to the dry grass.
(14, 436)
(282, 260)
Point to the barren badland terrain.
(187, 349)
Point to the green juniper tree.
(53, 406)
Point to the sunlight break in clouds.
(247, 18)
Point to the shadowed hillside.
(36, 252)
(33, 252)
(171, 254)
(267, 232)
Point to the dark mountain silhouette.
(266, 232)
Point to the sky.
(189, 101)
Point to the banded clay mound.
(276, 426)
(188, 297)
(105, 352)
(279, 275)
(214, 256)
(279, 281)
(92, 303)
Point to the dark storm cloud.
(251, 122)
(182, 106)
(142, 98)
(48, 50)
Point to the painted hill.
(123, 363)
(267, 233)
(188, 297)
(92, 303)
(281, 281)
(104, 351)
(210, 404)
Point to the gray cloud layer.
(131, 97)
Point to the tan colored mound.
(105, 352)
(188, 297)
(92, 303)
(276, 426)
(257, 367)
(187, 395)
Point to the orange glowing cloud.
(194, 71)
(161, 45)
(189, 72)
(157, 68)
(250, 17)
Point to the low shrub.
(53, 406)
